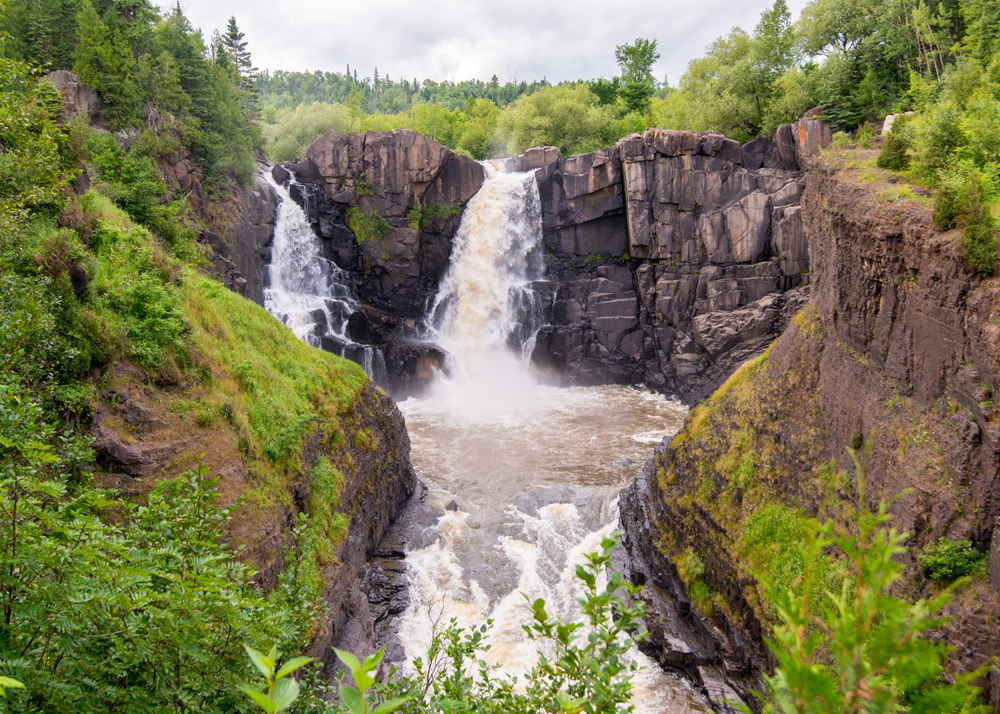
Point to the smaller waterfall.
(308, 293)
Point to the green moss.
(367, 226)
(327, 525)
(692, 571)
(365, 187)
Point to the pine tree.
(236, 48)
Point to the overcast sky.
(463, 39)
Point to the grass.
(736, 382)
(276, 389)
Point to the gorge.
(668, 260)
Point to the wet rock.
(369, 325)
(280, 174)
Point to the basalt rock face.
(899, 347)
(669, 261)
(414, 184)
(670, 257)
(243, 239)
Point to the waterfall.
(485, 308)
(309, 293)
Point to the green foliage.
(895, 148)
(735, 84)
(132, 181)
(583, 665)
(637, 83)
(141, 616)
(363, 673)
(857, 648)
(365, 187)
(964, 201)
(589, 668)
(948, 560)
(569, 118)
(866, 135)
(279, 691)
(421, 217)
(691, 568)
(30, 160)
(367, 226)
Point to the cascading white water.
(307, 292)
(485, 306)
(531, 473)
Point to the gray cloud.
(451, 39)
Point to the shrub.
(947, 560)
(866, 135)
(866, 650)
(894, 154)
(963, 201)
(939, 137)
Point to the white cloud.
(451, 39)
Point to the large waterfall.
(527, 475)
(485, 306)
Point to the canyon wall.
(670, 257)
(898, 348)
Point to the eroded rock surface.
(899, 347)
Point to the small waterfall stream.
(307, 292)
(527, 475)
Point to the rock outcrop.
(669, 261)
(241, 240)
(139, 440)
(670, 257)
(410, 184)
(899, 348)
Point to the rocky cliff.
(670, 257)
(899, 347)
(292, 431)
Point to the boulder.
(720, 332)
(754, 152)
(280, 174)
(781, 155)
(810, 136)
(540, 156)
(369, 325)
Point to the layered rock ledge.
(899, 346)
